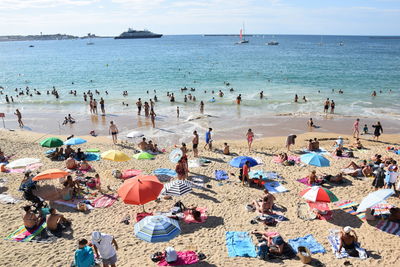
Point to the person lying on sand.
(336, 179)
(275, 244)
(363, 170)
(71, 163)
(56, 223)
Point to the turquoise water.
(298, 65)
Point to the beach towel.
(350, 207)
(221, 175)
(389, 227)
(307, 241)
(92, 156)
(240, 244)
(197, 181)
(255, 174)
(304, 181)
(184, 258)
(72, 204)
(105, 201)
(164, 171)
(194, 163)
(188, 217)
(322, 207)
(31, 167)
(142, 215)
(278, 216)
(7, 199)
(23, 235)
(94, 150)
(275, 187)
(126, 174)
(296, 159)
(334, 241)
(319, 151)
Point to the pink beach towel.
(304, 181)
(188, 217)
(321, 206)
(296, 159)
(105, 201)
(142, 215)
(31, 167)
(126, 174)
(184, 258)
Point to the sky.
(111, 17)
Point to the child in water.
(365, 130)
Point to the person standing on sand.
(208, 139)
(250, 137)
(356, 128)
(113, 131)
(19, 116)
(139, 106)
(290, 140)
(378, 130)
(201, 107)
(332, 107)
(103, 111)
(326, 105)
(103, 246)
(153, 117)
(195, 143)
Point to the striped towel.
(389, 227)
(23, 235)
(347, 206)
(105, 201)
(334, 241)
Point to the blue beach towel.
(239, 244)
(221, 175)
(307, 241)
(92, 156)
(164, 171)
(275, 187)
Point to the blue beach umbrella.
(74, 141)
(238, 162)
(374, 198)
(315, 159)
(157, 228)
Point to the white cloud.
(22, 4)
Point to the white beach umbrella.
(22, 163)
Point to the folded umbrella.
(374, 198)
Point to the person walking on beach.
(250, 137)
(105, 246)
(139, 106)
(208, 139)
(201, 107)
(113, 131)
(332, 107)
(195, 142)
(356, 128)
(152, 117)
(290, 140)
(326, 105)
(378, 130)
(19, 116)
(103, 111)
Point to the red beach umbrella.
(318, 194)
(140, 190)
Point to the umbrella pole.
(143, 208)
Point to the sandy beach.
(225, 203)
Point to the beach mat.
(307, 241)
(23, 235)
(31, 167)
(350, 207)
(240, 244)
(221, 175)
(275, 187)
(126, 174)
(72, 204)
(389, 227)
(188, 217)
(334, 241)
(164, 171)
(255, 174)
(105, 201)
(89, 156)
(304, 181)
(184, 258)
(94, 150)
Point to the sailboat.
(242, 40)
(273, 42)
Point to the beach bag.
(156, 257)
(178, 208)
(117, 174)
(263, 250)
(304, 254)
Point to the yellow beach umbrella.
(115, 155)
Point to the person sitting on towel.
(56, 223)
(80, 155)
(31, 221)
(275, 244)
(348, 241)
(265, 206)
(71, 163)
(394, 215)
(313, 179)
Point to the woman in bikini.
(250, 137)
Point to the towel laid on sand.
(72, 204)
(350, 207)
(389, 227)
(126, 174)
(23, 235)
(164, 171)
(188, 217)
(240, 244)
(89, 156)
(304, 181)
(221, 175)
(255, 174)
(31, 167)
(105, 201)
(307, 241)
(334, 241)
(275, 187)
(7, 199)
(184, 258)
(325, 213)
(296, 159)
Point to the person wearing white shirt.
(103, 245)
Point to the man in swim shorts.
(113, 131)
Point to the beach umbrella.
(51, 142)
(177, 188)
(318, 194)
(22, 163)
(157, 228)
(315, 159)
(374, 198)
(50, 174)
(115, 155)
(140, 189)
(75, 141)
(143, 155)
(175, 155)
(238, 162)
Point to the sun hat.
(96, 236)
(347, 229)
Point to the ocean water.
(297, 65)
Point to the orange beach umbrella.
(50, 174)
(140, 190)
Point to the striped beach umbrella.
(318, 194)
(177, 188)
(157, 228)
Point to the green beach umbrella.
(51, 142)
(143, 155)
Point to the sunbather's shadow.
(342, 218)
(205, 196)
(345, 183)
(204, 264)
(211, 222)
(215, 159)
(205, 178)
(279, 207)
(264, 153)
(371, 254)
(3, 189)
(316, 262)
